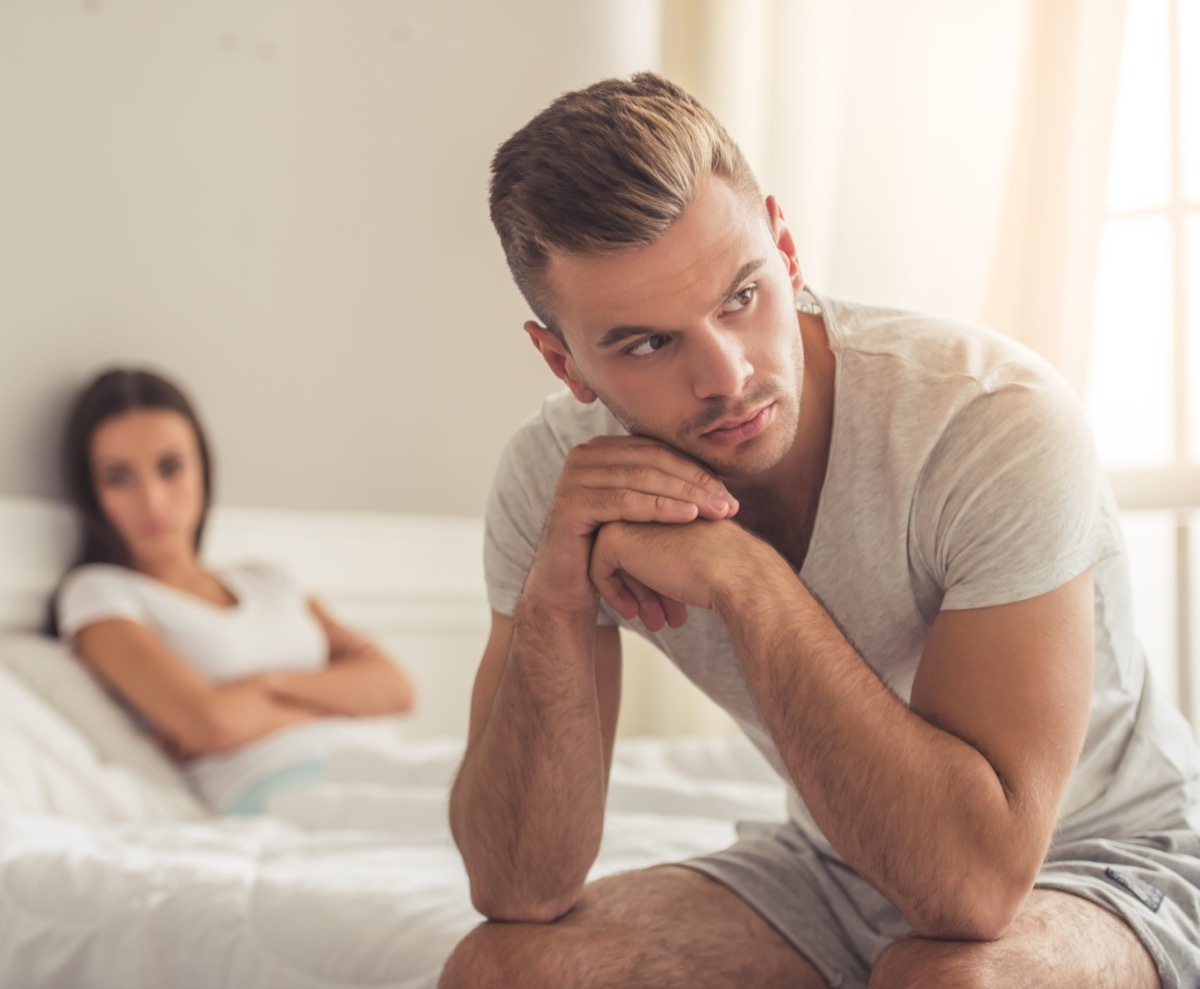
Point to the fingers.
(676, 611)
(632, 479)
(611, 586)
(630, 597)
(618, 479)
(644, 493)
(649, 606)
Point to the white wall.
(283, 204)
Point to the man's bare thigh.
(662, 927)
(1058, 941)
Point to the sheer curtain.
(946, 155)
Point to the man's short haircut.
(604, 170)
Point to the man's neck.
(781, 504)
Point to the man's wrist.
(759, 579)
(558, 585)
(540, 617)
(544, 595)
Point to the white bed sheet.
(123, 882)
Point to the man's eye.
(647, 346)
(741, 298)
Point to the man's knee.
(490, 957)
(478, 961)
(916, 963)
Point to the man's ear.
(784, 243)
(556, 355)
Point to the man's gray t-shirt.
(962, 474)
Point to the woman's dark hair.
(110, 394)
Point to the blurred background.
(282, 204)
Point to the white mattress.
(112, 876)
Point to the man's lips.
(741, 429)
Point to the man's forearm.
(527, 807)
(918, 812)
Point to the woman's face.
(149, 481)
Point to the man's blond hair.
(604, 170)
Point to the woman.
(244, 679)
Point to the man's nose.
(719, 368)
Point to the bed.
(112, 875)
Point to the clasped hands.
(655, 570)
(640, 525)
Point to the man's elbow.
(522, 908)
(504, 896)
(971, 923)
(982, 910)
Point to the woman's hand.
(244, 710)
(359, 679)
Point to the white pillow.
(67, 749)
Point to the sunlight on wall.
(1193, 328)
(1131, 345)
(1144, 368)
(1151, 540)
(284, 205)
(1146, 316)
(659, 700)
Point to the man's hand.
(655, 571)
(614, 479)
(527, 806)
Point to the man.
(881, 541)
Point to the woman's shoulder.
(97, 577)
(96, 591)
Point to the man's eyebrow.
(619, 333)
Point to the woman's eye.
(169, 468)
(647, 346)
(115, 479)
(741, 298)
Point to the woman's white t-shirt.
(269, 627)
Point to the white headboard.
(412, 582)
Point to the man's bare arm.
(946, 805)
(527, 807)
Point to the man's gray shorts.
(841, 924)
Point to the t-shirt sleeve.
(95, 593)
(518, 503)
(1013, 501)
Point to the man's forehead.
(615, 334)
(696, 263)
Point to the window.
(1143, 388)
